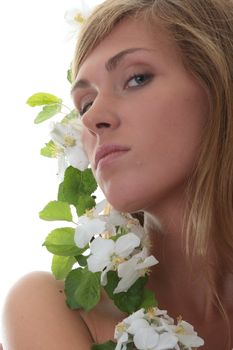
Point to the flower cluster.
(116, 244)
(106, 249)
(68, 145)
(155, 330)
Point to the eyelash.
(84, 108)
(146, 76)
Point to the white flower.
(67, 138)
(134, 226)
(122, 336)
(121, 329)
(129, 271)
(87, 227)
(146, 338)
(186, 335)
(75, 17)
(106, 254)
(137, 329)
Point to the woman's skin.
(133, 91)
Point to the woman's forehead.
(132, 35)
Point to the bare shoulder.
(36, 317)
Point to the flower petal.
(166, 341)
(102, 246)
(77, 157)
(136, 325)
(126, 282)
(146, 338)
(97, 263)
(126, 244)
(86, 229)
(148, 262)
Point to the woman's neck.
(182, 287)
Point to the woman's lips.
(107, 153)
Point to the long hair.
(203, 31)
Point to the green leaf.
(42, 98)
(76, 183)
(70, 116)
(60, 195)
(109, 345)
(61, 242)
(48, 112)
(62, 265)
(56, 210)
(82, 259)
(131, 300)
(82, 289)
(69, 75)
(49, 150)
(113, 281)
(148, 299)
(84, 203)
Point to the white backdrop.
(34, 57)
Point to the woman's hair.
(203, 31)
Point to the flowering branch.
(101, 247)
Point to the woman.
(153, 82)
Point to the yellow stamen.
(180, 330)
(89, 213)
(79, 18)
(179, 319)
(116, 261)
(133, 222)
(106, 235)
(69, 141)
(107, 209)
(121, 327)
(144, 272)
(151, 313)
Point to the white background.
(34, 56)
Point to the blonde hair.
(203, 30)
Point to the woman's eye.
(85, 108)
(138, 80)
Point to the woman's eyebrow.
(110, 65)
(114, 61)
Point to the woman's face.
(143, 115)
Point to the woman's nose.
(101, 117)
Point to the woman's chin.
(123, 202)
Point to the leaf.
(82, 289)
(76, 183)
(49, 150)
(70, 116)
(84, 203)
(113, 281)
(69, 75)
(60, 195)
(56, 210)
(148, 299)
(62, 265)
(42, 98)
(131, 300)
(109, 345)
(61, 242)
(48, 112)
(82, 259)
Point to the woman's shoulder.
(36, 316)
